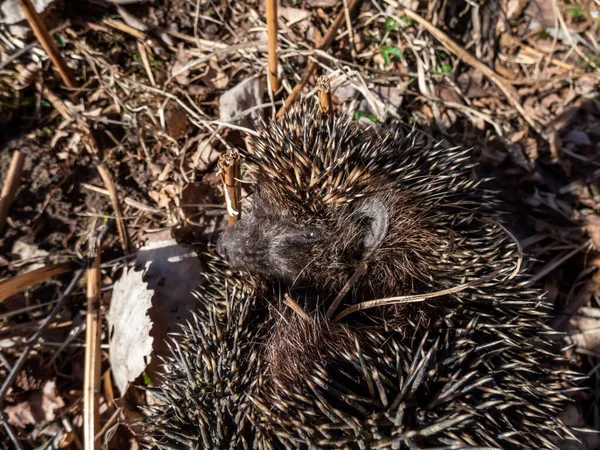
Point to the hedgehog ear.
(376, 218)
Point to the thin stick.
(91, 382)
(11, 185)
(404, 299)
(351, 282)
(42, 35)
(289, 301)
(556, 262)
(146, 62)
(312, 65)
(10, 432)
(229, 169)
(324, 90)
(271, 7)
(121, 26)
(116, 204)
(19, 283)
(127, 200)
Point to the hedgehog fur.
(472, 366)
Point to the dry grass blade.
(557, 262)
(42, 35)
(340, 296)
(121, 26)
(19, 283)
(146, 62)
(324, 45)
(405, 299)
(127, 200)
(114, 198)
(271, 9)
(467, 57)
(93, 361)
(289, 301)
(229, 170)
(11, 185)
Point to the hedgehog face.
(274, 239)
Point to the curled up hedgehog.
(371, 299)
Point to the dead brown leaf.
(39, 408)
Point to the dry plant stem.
(11, 185)
(324, 89)
(146, 62)
(42, 35)
(271, 9)
(467, 57)
(114, 198)
(229, 168)
(121, 26)
(289, 301)
(19, 283)
(351, 282)
(11, 331)
(127, 200)
(405, 299)
(32, 342)
(323, 46)
(91, 382)
(10, 432)
(556, 262)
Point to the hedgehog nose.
(222, 248)
(230, 248)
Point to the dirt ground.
(166, 86)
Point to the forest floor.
(166, 86)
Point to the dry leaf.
(29, 252)
(237, 100)
(39, 408)
(206, 155)
(586, 329)
(149, 301)
(215, 78)
(176, 122)
(294, 16)
(592, 227)
(182, 58)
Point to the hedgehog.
(371, 298)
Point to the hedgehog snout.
(231, 247)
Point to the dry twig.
(229, 170)
(271, 9)
(93, 360)
(289, 301)
(116, 203)
(11, 185)
(42, 35)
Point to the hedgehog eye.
(303, 237)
